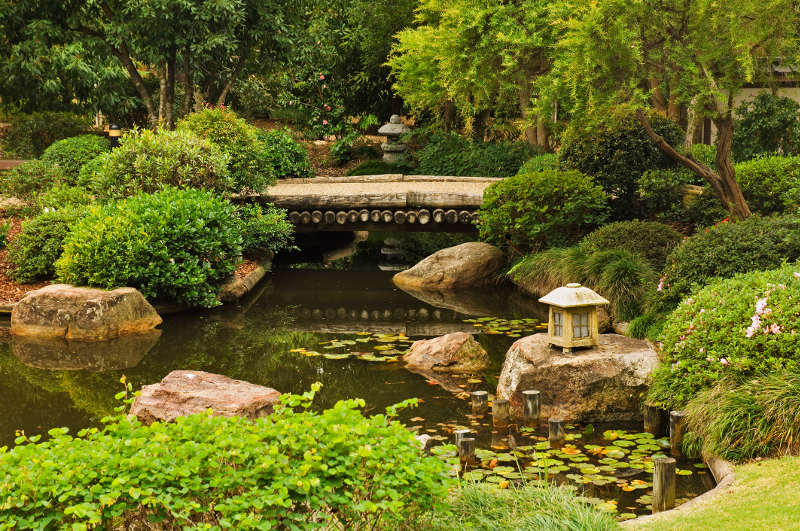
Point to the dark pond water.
(338, 328)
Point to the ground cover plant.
(295, 469)
(731, 328)
(449, 154)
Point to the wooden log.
(424, 216)
(411, 216)
(330, 217)
(556, 433)
(387, 216)
(460, 434)
(363, 215)
(341, 217)
(475, 218)
(501, 412)
(352, 216)
(399, 217)
(465, 216)
(653, 420)
(466, 451)
(416, 199)
(316, 216)
(294, 216)
(531, 407)
(438, 215)
(305, 217)
(676, 430)
(451, 216)
(375, 216)
(664, 469)
(480, 402)
(307, 199)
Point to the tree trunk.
(124, 57)
(693, 120)
(162, 94)
(188, 99)
(542, 138)
(525, 112)
(231, 80)
(170, 108)
(449, 115)
(479, 125)
(723, 183)
(657, 98)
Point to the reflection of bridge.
(380, 202)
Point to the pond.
(345, 329)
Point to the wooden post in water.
(653, 420)
(663, 484)
(556, 435)
(466, 451)
(500, 413)
(460, 434)
(676, 428)
(480, 402)
(531, 402)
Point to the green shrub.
(174, 244)
(543, 162)
(734, 327)
(532, 212)
(36, 248)
(29, 179)
(662, 196)
(770, 185)
(725, 250)
(704, 154)
(72, 153)
(647, 325)
(263, 229)
(379, 167)
(286, 156)
(648, 239)
(30, 134)
(63, 196)
(766, 124)
(739, 421)
(147, 161)
(295, 469)
(5, 228)
(616, 153)
(450, 154)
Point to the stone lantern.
(573, 316)
(393, 149)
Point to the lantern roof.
(572, 296)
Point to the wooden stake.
(480, 402)
(438, 215)
(466, 450)
(330, 217)
(352, 216)
(399, 217)
(676, 429)
(556, 435)
(375, 216)
(460, 434)
(500, 413)
(387, 216)
(316, 216)
(305, 217)
(663, 484)
(424, 216)
(341, 217)
(363, 214)
(465, 216)
(653, 420)
(531, 402)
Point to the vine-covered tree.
(702, 51)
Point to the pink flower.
(290, 102)
(321, 77)
(324, 86)
(327, 107)
(708, 358)
(775, 328)
(702, 350)
(723, 361)
(797, 275)
(760, 305)
(324, 122)
(660, 284)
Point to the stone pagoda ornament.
(573, 316)
(393, 149)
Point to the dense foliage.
(663, 196)
(29, 179)
(263, 229)
(286, 156)
(30, 134)
(449, 154)
(70, 154)
(174, 244)
(766, 124)
(771, 184)
(650, 240)
(532, 212)
(723, 251)
(731, 328)
(36, 248)
(545, 161)
(147, 161)
(379, 167)
(63, 196)
(292, 470)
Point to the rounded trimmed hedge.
(531, 212)
(72, 153)
(543, 162)
(771, 185)
(285, 154)
(36, 248)
(649, 239)
(731, 328)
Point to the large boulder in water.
(183, 393)
(456, 353)
(467, 265)
(85, 314)
(602, 383)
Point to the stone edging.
(723, 474)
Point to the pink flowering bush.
(738, 327)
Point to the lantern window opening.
(558, 323)
(580, 324)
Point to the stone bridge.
(421, 203)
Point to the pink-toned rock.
(183, 393)
(456, 353)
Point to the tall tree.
(704, 51)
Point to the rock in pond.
(85, 314)
(602, 383)
(183, 393)
(470, 264)
(456, 353)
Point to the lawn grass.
(764, 495)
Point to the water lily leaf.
(683, 472)
(473, 475)
(336, 356)
(626, 516)
(311, 353)
(624, 443)
(301, 349)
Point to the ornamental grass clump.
(296, 469)
(732, 328)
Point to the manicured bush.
(543, 162)
(379, 167)
(36, 248)
(296, 469)
(450, 154)
(770, 185)
(263, 229)
(63, 196)
(175, 244)
(286, 156)
(766, 124)
(648, 239)
(147, 161)
(532, 212)
(705, 154)
(30, 134)
(725, 250)
(732, 328)
(72, 153)
(616, 153)
(29, 179)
